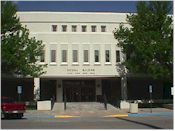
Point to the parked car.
(11, 109)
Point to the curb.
(141, 115)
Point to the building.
(83, 59)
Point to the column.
(36, 89)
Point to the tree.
(148, 40)
(20, 52)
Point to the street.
(151, 122)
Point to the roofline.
(62, 12)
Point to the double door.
(79, 90)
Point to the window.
(54, 28)
(86, 56)
(64, 55)
(84, 28)
(64, 28)
(74, 28)
(117, 56)
(75, 55)
(107, 55)
(103, 28)
(53, 55)
(93, 28)
(96, 53)
(42, 57)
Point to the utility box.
(133, 108)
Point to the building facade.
(83, 58)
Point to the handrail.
(65, 100)
(105, 101)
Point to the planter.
(133, 108)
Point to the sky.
(78, 6)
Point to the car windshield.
(7, 100)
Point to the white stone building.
(82, 57)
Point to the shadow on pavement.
(140, 123)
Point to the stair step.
(82, 106)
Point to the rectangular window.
(84, 28)
(75, 55)
(54, 28)
(93, 28)
(74, 28)
(117, 56)
(96, 53)
(53, 55)
(64, 28)
(103, 28)
(42, 57)
(107, 55)
(86, 56)
(64, 55)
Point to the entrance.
(79, 90)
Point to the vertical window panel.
(53, 55)
(107, 55)
(96, 53)
(64, 55)
(64, 28)
(86, 56)
(42, 57)
(117, 56)
(75, 55)
(93, 28)
(54, 28)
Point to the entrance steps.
(78, 108)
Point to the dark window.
(117, 56)
(64, 55)
(53, 55)
(54, 28)
(42, 57)
(75, 55)
(103, 28)
(107, 55)
(84, 28)
(93, 28)
(86, 56)
(74, 28)
(64, 28)
(96, 53)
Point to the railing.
(105, 101)
(65, 100)
(52, 102)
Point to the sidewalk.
(101, 113)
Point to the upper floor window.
(107, 55)
(84, 28)
(117, 56)
(42, 57)
(64, 28)
(103, 28)
(86, 56)
(54, 28)
(93, 28)
(64, 55)
(75, 55)
(74, 28)
(96, 54)
(53, 55)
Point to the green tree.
(148, 40)
(19, 51)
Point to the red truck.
(11, 109)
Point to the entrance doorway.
(79, 90)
